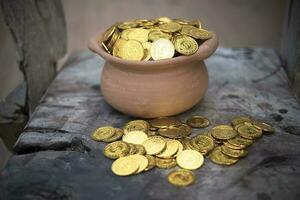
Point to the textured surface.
(56, 159)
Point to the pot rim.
(206, 49)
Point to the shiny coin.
(203, 143)
(240, 141)
(170, 27)
(117, 135)
(181, 177)
(165, 163)
(157, 34)
(108, 33)
(154, 145)
(132, 50)
(249, 132)
(141, 160)
(170, 150)
(218, 157)
(198, 121)
(186, 129)
(118, 45)
(200, 34)
(180, 149)
(103, 133)
(172, 132)
(240, 120)
(236, 147)
(136, 125)
(185, 45)
(116, 150)
(164, 122)
(135, 137)
(139, 34)
(190, 159)
(125, 166)
(124, 34)
(105, 47)
(223, 132)
(132, 149)
(147, 48)
(234, 153)
(151, 162)
(266, 128)
(162, 49)
(127, 25)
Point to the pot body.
(154, 92)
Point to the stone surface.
(56, 159)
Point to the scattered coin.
(234, 153)
(198, 121)
(171, 149)
(116, 136)
(165, 163)
(151, 162)
(125, 166)
(249, 132)
(103, 133)
(136, 125)
(218, 157)
(116, 150)
(190, 159)
(181, 177)
(223, 132)
(135, 137)
(154, 145)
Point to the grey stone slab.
(56, 159)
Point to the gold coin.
(181, 177)
(190, 159)
(162, 49)
(171, 132)
(154, 145)
(266, 128)
(240, 120)
(132, 50)
(249, 132)
(117, 46)
(185, 45)
(108, 33)
(151, 162)
(196, 23)
(139, 34)
(141, 160)
(186, 129)
(136, 125)
(103, 133)
(170, 27)
(165, 163)
(234, 153)
(223, 132)
(127, 25)
(124, 34)
(147, 48)
(116, 150)
(236, 147)
(125, 166)
(200, 34)
(116, 35)
(164, 122)
(164, 19)
(105, 47)
(135, 137)
(132, 149)
(218, 157)
(118, 135)
(186, 29)
(170, 150)
(157, 34)
(240, 141)
(181, 21)
(203, 143)
(140, 149)
(198, 121)
(180, 149)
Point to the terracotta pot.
(151, 89)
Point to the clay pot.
(149, 89)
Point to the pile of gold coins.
(154, 39)
(167, 142)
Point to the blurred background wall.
(239, 23)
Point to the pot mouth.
(206, 49)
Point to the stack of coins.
(154, 39)
(166, 142)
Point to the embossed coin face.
(117, 135)
(103, 133)
(200, 34)
(135, 137)
(185, 45)
(116, 150)
(125, 166)
(203, 143)
(190, 159)
(181, 177)
(132, 50)
(162, 49)
(223, 132)
(136, 125)
(249, 132)
(198, 121)
(154, 145)
(240, 120)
